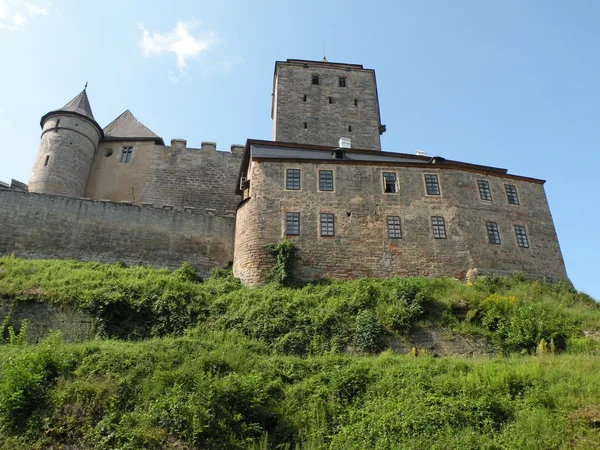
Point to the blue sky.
(513, 84)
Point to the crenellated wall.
(48, 226)
(361, 246)
(204, 179)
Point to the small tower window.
(304, 99)
(342, 81)
(330, 100)
(126, 154)
(46, 161)
(315, 79)
(355, 102)
(305, 125)
(349, 128)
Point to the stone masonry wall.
(46, 226)
(204, 179)
(361, 246)
(353, 111)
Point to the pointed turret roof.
(127, 127)
(79, 106)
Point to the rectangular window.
(439, 227)
(355, 102)
(493, 232)
(432, 185)
(327, 224)
(304, 99)
(342, 81)
(292, 223)
(326, 180)
(390, 183)
(484, 190)
(511, 194)
(394, 228)
(315, 79)
(126, 154)
(47, 160)
(292, 179)
(521, 236)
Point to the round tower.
(70, 136)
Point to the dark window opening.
(315, 79)
(390, 183)
(330, 100)
(432, 185)
(522, 240)
(439, 227)
(342, 81)
(305, 125)
(339, 154)
(292, 224)
(46, 161)
(304, 97)
(511, 194)
(493, 232)
(394, 229)
(327, 226)
(484, 190)
(326, 180)
(126, 154)
(292, 179)
(349, 128)
(355, 102)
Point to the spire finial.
(324, 57)
(85, 87)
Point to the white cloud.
(14, 14)
(179, 41)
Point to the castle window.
(292, 224)
(126, 154)
(394, 229)
(292, 179)
(493, 232)
(390, 183)
(304, 98)
(355, 102)
(349, 128)
(511, 194)
(327, 228)
(305, 125)
(432, 185)
(484, 190)
(326, 180)
(521, 236)
(439, 227)
(342, 81)
(330, 100)
(315, 79)
(47, 160)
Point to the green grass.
(211, 364)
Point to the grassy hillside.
(210, 364)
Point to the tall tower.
(318, 102)
(70, 136)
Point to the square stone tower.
(318, 102)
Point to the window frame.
(385, 183)
(292, 223)
(326, 224)
(512, 197)
(288, 178)
(438, 233)
(126, 154)
(342, 82)
(521, 236)
(315, 78)
(319, 181)
(484, 190)
(437, 184)
(394, 227)
(493, 233)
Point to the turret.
(70, 136)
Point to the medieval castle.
(119, 193)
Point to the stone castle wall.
(361, 246)
(204, 179)
(328, 110)
(47, 226)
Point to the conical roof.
(127, 127)
(80, 106)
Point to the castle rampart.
(48, 226)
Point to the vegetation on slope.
(210, 364)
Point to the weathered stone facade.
(48, 226)
(361, 246)
(321, 113)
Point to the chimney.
(345, 142)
